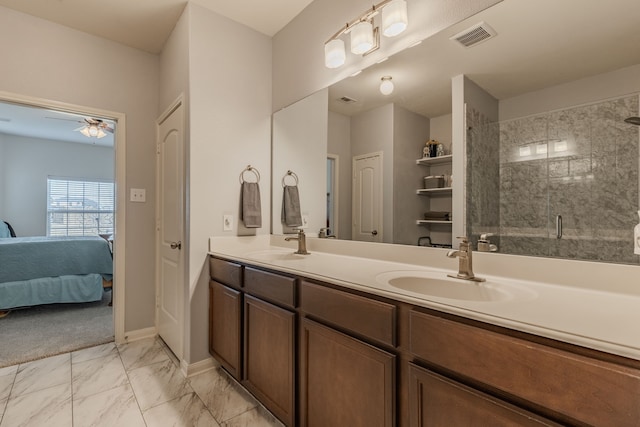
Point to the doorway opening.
(100, 212)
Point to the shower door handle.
(558, 226)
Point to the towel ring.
(249, 168)
(291, 174)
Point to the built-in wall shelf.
(432, 221)
(434, 191)
(441, 160)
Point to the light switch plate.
(305, 221)
(227, 222)
(138, 195)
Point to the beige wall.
(590, 89)
(300, 145)
(230, 128)
(298, 49)
(46, 60)
(410, 131)
(28, 162)
(339, 143)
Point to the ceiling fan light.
(101, 134)
(361, 37)
(386, 87)
(93, 130)
(334, 54)
(85, 131)
(394, 18)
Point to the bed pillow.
(4, 230)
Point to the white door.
(367, 197)
(170, 259)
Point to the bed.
(48, 270)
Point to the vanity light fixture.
(386, 87)
(364, 34)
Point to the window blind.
(79, 207)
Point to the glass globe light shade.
(334, 54)
(394, 18)
(386, 87)
(361, 37)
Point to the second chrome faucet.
(465, 261)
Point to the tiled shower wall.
(579, 163)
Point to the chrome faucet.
(484, 245)
(302, 242)
(325, 233)
(465, 266)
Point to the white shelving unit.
(431, 221)
(444, 191)
(430, 161)
(437, 199)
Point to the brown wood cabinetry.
(363, 316)
(345, 382)
(436, 401)
(269, 356)
(323, 355)
(225, 330)
(573, 388)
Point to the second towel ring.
(291, 174)
(249, 169)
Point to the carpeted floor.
(33, 333)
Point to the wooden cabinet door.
(270, 356)
(225, 327)
(345, 382)
(437, 401)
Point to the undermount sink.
(438, 285)
(275, 255)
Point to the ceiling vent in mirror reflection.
(347, 100)
(474, 35)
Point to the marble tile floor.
(130, 385)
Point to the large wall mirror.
(549, 164)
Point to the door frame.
(335, 180)
(120, 161)
(184, 253)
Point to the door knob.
(176, 245)
(374, 233)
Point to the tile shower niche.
(578, 165)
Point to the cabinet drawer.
(439, 401)
(370, 318)
(226, 272)
(273, 287)
(591, 391)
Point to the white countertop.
(603, 319)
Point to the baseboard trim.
(140, 334)
(191, 369)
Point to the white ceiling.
(41, 123)
(142, 24)
(539, 44)
(146, 24)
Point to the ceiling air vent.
(347, 100)
(474, 35)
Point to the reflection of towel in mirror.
(291, 216)
(251, 209)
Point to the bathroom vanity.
(323, 339)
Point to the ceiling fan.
(91, 128)
(94, 128)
